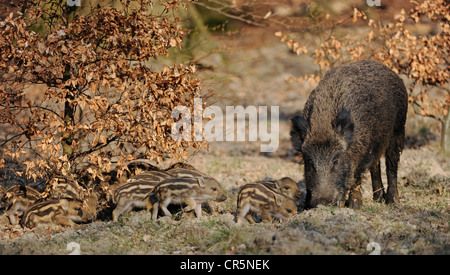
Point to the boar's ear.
(278, 201)
(298, 131)
(201, 182)
(344, 125)
(64, 204)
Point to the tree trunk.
(69, 115)
(445, 134)
(69, 109)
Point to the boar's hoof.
(391, 198)
(355, 203)
(378, 196)
(355, 198)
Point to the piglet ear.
(278, 201)
(64, 204)
(201, 182)
(298, 131)
(344, 125)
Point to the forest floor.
(418, 224)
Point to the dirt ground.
(418, 224)
(251, 69)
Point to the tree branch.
(8, 140)
(95, 148)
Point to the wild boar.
(290, 188)
(191, 191)
(64, 212)
(136, 193)
(132, 194)
(180, 165)
(257, 198)
(286, 186)
(137, 165)
(155, 175)
(18, 199)
(66, 187)
(178, 169)
(354, 116)
(180, 172)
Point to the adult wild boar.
(355, 115)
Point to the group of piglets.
(183, 184)
(65, 202)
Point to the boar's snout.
(215, 189)
(324, 201)
(221, 197)
(298, 195)
(325, 196)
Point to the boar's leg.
(163, 205)
(355, 197)
(191, 204)
(150, 201)
(266, 217)
(250, 217)
(244, 211)
(14, 210)
(198, 210)
(392, 158)
(377, 184)
(155, 211)
(149, 205)
(121, 208)
(62, 220)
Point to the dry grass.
(418, 224)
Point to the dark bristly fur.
(355, 115)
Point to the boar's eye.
(214, 188)
(336, 161)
